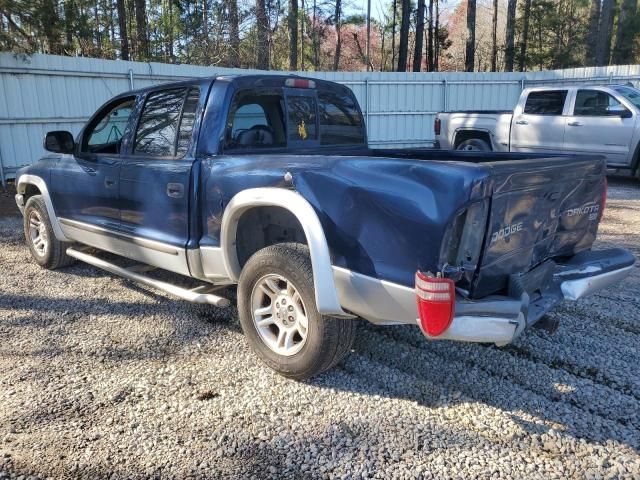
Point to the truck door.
(84, 187)
(600, 124)
(155, 178)
(538, 125)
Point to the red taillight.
(436, 126)
(603, 201)
(299, 83)
(436, 297)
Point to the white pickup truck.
(575, 119)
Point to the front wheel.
(474, 145)
(278, 314)
(46, 249)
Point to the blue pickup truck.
(267, 182)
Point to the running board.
(195, 295)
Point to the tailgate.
(540, 209)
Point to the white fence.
(39, 93)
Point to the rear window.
(291, 117)
(548, 102)
(340, 120)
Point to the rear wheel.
(474, 145)
(278, 314)
(45, 248)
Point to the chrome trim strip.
(190, 295)
(471, 328)
(125, 248)
(21, 185)
(581, 287)
(326, 295)
(142, 242)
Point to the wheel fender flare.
(21, 187)
(326, 294)
(478, 130)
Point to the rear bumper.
(494, 319)
(500, 320)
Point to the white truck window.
(547, 102)
(595, 103)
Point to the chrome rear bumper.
(494, 319)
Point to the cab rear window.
(293, 118)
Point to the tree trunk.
(436, 56)
(592, 34)
(603, 46)
(336, 58)
(494, 38)
(625, 35)
(404, 36)
(469, 59)
(430, 45)
(69, 24)
(234, 34)
(122, 26)
(509, 48)
(293, 34)
(393, 34)
(417, 56)
(263, 36)
(142, 49)
(522, 61)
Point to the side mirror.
(619, 111)
(59, 141)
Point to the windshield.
(630, 93)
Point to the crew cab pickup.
(599, 120)
(266, 181)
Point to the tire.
(261, 309)
(474, 145)
(45, 248)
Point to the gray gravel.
(102, 378)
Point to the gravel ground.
(101, 378)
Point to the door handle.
(109, 182)
(574, 124)
(522, 122)
(175, 190)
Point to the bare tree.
(509, 48)
(603, 46)
(336, 57)
(525, 35)
(393, 34)
(263, 35)
(494, 37)
(623, 49)
(469, 59)
(436, 56)
(417, 56)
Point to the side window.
(340, 120)
(595, 103)
(302, 118)
(166, 123)
(256, 120)
(548, 102)
(104, 134)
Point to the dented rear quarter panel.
(382, 217)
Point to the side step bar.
(196, 295)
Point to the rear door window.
(340, 120)
(166, 123)
(547, 102)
